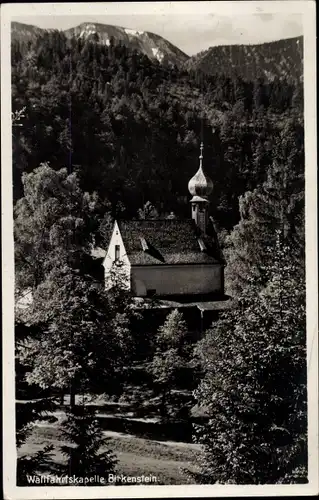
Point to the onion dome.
(200, 186)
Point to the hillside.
(100, 131)
(131, 127)
(281, 59)
(153, 46)
(25, 32)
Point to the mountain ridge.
(270, 60)
(150, 44)
(280, 58)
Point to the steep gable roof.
(169, 241)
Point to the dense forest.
(131, 127)
(282, 59)
(103, 131)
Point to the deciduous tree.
(53, 225)
(83, 341)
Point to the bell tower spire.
(200, 187)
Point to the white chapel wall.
(125, 269)
(173, 280)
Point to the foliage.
(85, 438)
(53, 224)
(105, 229)
(30, 465)
(172, 333)
(17, 116)
(277, 204)
(148, 211)
(254, 391)
(29, 412)
(131, 127)
(272, 61)
(26, 415)
(170, 358)
(84, 337)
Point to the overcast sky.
(190, 32)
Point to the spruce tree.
(278, 204)
(254, 391)
(27, 413)
(85, 439)
(170, 358)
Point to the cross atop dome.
(201, 154)
(171, 257)
(200, 186)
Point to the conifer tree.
(254, 391)
(57, 96)
(27, 413)
(171, 356)
(28, 465)
(85, 439)
(278, 204)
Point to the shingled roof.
(149, 242)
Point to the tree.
(278, 204)
(27, 413)
(105, 230)
(254, 390)
(79, 334)
(68, 121)
(75, 324)
(171, 356)
(85, 438)
(30, 465)
(52, 225)
(83, 341)
(17, 116)
(148, 211)
(19, 148)
(260, 94)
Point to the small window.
(117, 252)
(151, 292)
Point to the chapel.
(177, 262)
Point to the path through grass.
(136, 455)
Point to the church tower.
(200, 187)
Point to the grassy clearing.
(136, 456)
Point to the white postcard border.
(9, 11)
